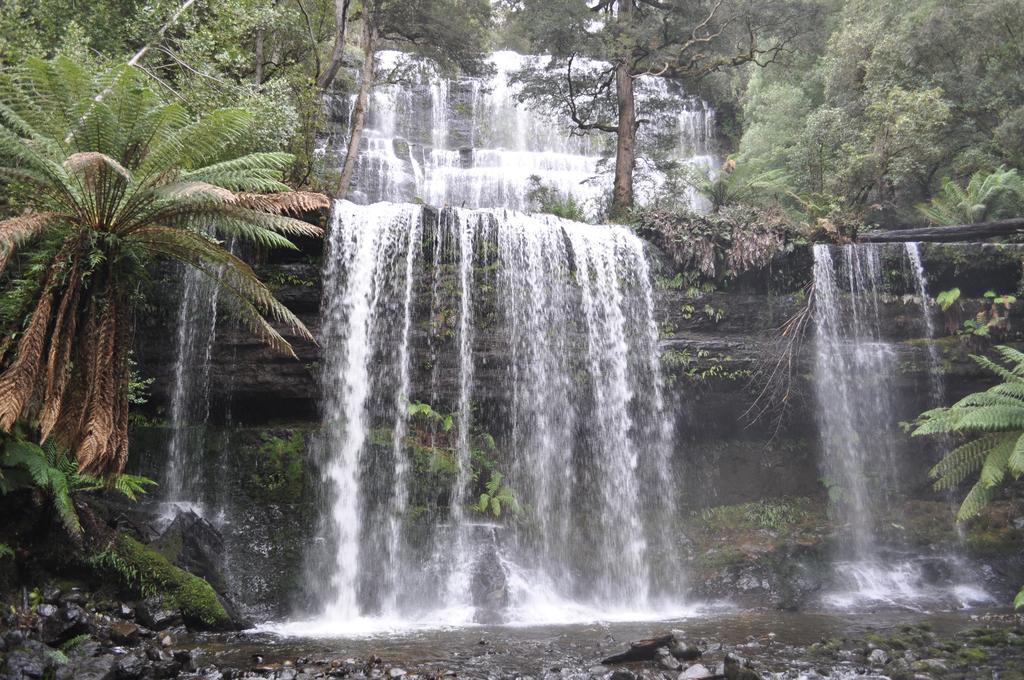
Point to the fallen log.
(641, 650)
(953, 233)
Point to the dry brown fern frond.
(93, 450)
(58, 363)
(19, 381)
(290, 203)
(16, 230)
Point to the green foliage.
(947, 298)
(6, 551)
(987, 196)
(496, 496)
(107, 178)
(741, 184)
(721, 245)
(995, 420)
(280, 463)
(427, 413)
(52, 471)
(773, 514)
(146, 571)
(990, 318)
(885, 98)
(547, 199)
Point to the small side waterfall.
(854, 371)
(189, 405)
(856, 382)
(927, 314)
(565, 313)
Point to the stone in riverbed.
(622, 674)
(736, 668)
(695, 672)
(878, 657)
(96, 668)
(666, 660)
(131, 666)
(685, 651)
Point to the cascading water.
(467, 142)
(913, 251)
(855, 379)
(582, 436)
(189, 404)
(854, 368)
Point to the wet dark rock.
(622, 674)
(51, 594)
(666, 660)
(489, 587)
(75, 596)
(152, 613)
(196, 546)
(878, 657)
(96, 668)
(131, 666)
(685, 651)
(125, 633)
(737, 668)
(58, 624)
(31, 660)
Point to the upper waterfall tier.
(468, 142)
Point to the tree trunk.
(958, 232)
(625, 148)
(260, 35)
(359, 111)
(338, 53)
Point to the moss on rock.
(145, 570)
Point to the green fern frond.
(966, 459)
(132, 486)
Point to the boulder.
(131, 666)
(30, 661)
(195, 545)
(696, 672)
(489, 587)
(95, 668)
(737, 668)
(58, 624)
(152, 613)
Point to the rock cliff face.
(715, 348)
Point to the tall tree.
(681, 40)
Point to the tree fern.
(995, 418)
(987, 196)
(110, 178)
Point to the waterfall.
(563, 314)
(189, 404)
(470, 142)
(938, 391)
(853, 380)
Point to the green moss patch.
(142, 569)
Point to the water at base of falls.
(453, 308)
